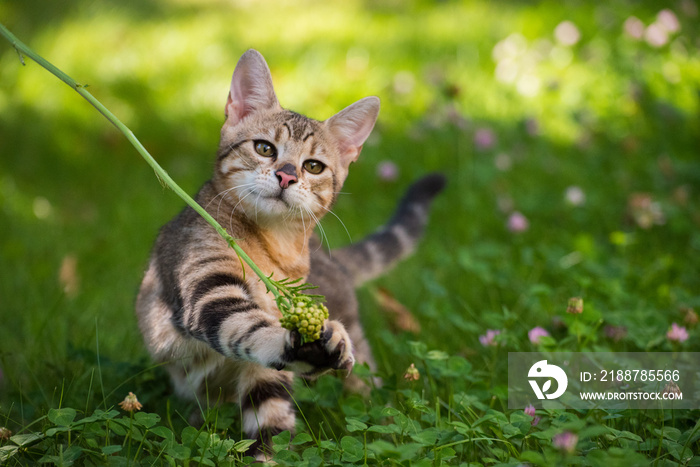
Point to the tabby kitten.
(207, 315)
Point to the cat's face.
(277, 166)
(280, 164)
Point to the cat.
(207, 315)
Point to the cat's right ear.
(251, 88)
(352, 126)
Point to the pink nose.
(285, 178)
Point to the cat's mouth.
(275, 202)
(280, 196)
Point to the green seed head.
(306, 317)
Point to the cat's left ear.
(251, 87)
(352, 125)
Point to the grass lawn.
(570, 135)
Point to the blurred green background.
(583, 117)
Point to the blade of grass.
(99, 366)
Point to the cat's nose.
(286, 175)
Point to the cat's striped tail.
(379, 251)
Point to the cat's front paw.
(333, 351)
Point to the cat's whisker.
(256, 207)
(292, 216)
(336, 216)
(250, 191)
(225, 192)
(230, 219)
(223, 196)
(303, 224)
(288, 215)
(322, 232)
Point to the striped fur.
(381, 250)
(205, 313)
(339, 272)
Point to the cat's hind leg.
(267, 406)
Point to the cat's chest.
(279, 268)
(289, 265)
(287, 255)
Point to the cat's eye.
(314, 167)
(264, 148)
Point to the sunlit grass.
(185, 61)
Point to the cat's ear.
(352, 125)
(251, 88)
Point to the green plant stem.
(128, 436)
(160, 172)
(138, 450)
